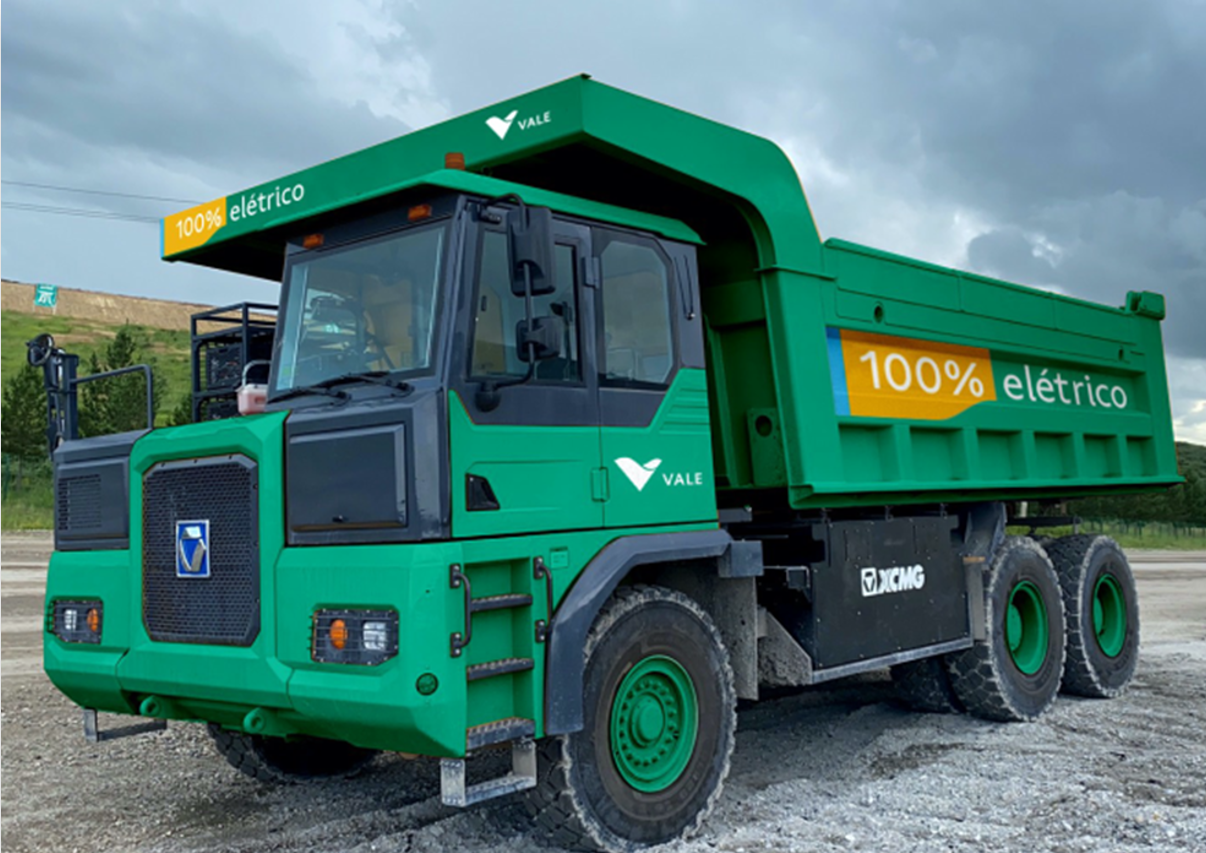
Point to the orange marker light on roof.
(454, 160)
(312, 241)
(419, 211)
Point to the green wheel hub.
(654, 723)
(1026, 628)
(1109, 615)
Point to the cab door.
(531, 462)
(655, 436)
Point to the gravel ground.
(839, 768)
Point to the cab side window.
(497, 313)
(638, 332)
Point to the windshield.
(370, 307)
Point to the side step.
(93, 734)
(454, 791)
(498, 667)
(499, 731)
(499, 602)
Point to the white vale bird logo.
(502, 125)
(636, 472)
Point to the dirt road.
(840, 768)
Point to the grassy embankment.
(28, 502)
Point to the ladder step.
(499, 731)
(500, 602)
(498, 667)
(454, 791)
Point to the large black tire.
(277, 760)
(925, 685)
(1094, 575)
(990, 679)
(582, 800)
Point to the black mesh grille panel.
(79, 503)
(220, 603)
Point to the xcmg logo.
(894, 579)
(502, 126)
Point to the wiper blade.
(317, 388)
(376, 377)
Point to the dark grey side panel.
(92, 493)
(572, 621)
(351, 479)
(369, 471)
(859, 613)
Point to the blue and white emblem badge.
(192, 549)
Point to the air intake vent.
(78, 501)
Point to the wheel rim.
(1026, 629)
(654, 723)
(1109, 615)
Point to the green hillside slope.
(168, 349)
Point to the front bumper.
(273, 686)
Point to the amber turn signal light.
(419, 211)
(339, 634)
(312, 241)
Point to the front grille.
(220, 605)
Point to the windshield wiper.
(317, 388)
(376, 377)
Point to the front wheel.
(275, 759)
(660, 717)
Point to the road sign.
(46, 296)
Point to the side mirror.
(546, 333)
(39, 349)
(530, 230)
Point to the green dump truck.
(576, 433)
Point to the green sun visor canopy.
(577, 146)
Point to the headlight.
(366, 637)
(77, 621)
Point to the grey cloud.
(169, 85)
(1071, 134)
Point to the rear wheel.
(275, 759)
(1101, 611)
(925, 685)
(1015, 673)
(659, 707)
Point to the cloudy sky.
(1058, 144)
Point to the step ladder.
(454, 791)
(519, 731)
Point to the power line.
(98, 192)
(79, 211)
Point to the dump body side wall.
(893, 381)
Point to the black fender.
(564, 666)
